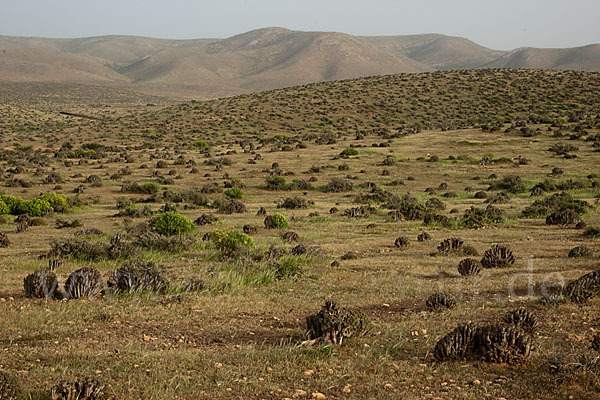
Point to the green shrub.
(200, 144)
(13, 203)
(276, 183)
(557, 202)
(478, 218)
(4, 209)
(58, 202)
(511, 183)
(35, 207)
(231, 242)
(171, 223)
(233, 193)
(279, 221)
(348, 152)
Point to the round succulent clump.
(85, 282)
(439, 301)
(335, 324)
(580, 251)
(41, 284)
(88, 389)
(504, 344)
(423, 237)
(4, 242)
(290, 237)
(9, 386)
(451, 245)
(139, 276)
(497, 257)
(469, 267)
(523, 319)
(249, 229)
(583, 288)
(596, 342)
(458, 344)
(401, 242)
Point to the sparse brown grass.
(239, 337)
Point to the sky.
(498, 24)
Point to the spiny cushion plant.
(85, 282)
(138, 275)
(290, 237)
(497, 257)
(171, 223)
(458, 344)
(423, 237)
(87, 389)
(452, 246)
(4, 241)
(231, 242)
(439, 301)
(596, 342)
(580, 251)
(9, 386)
(504, 344)
(523, 319)
(41, 284)
(583, 288)
(335, 324)
(402, 242)
(469, 267)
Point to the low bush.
(276, 221)
(231, 242)
(171, 223)
(234, 193)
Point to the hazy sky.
(500, 24)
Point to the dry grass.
(239, 337)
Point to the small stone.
(318, 396)
(299, 393)
(218, 365)
(309, 372)
(476, 382)
(346, 389)
(388, 386)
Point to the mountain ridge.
(261, 59)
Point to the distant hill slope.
(46, 65)
(267, 59)
(385, 105)
(437, 51)
(586, 58)
(259, 60)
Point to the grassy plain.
(240, 336)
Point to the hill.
(437, 51)
(386, 105)
(259, 60)
(46, 65)
(585, 58)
